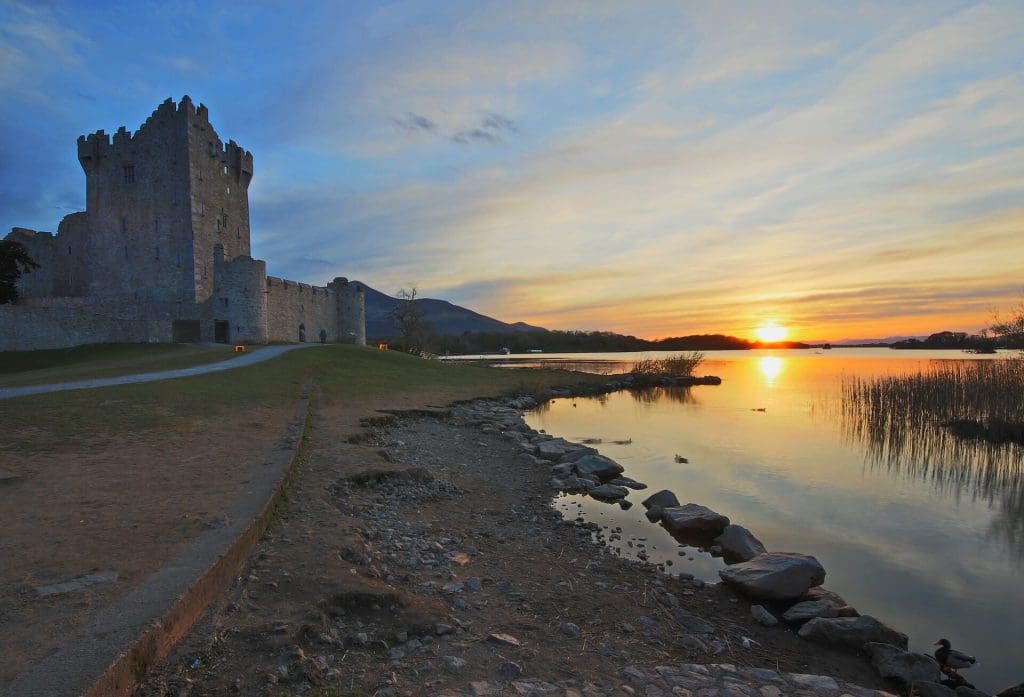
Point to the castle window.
(69, 250)
(229, 189)
(225, 169)
(224, 302)
(126, 251)
(124, 225)
(129, 174)
(158, 252)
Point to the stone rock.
(822, 684)
(739, 544)
(819, 592)
(453, 664)
(1012, 691)
(574, 484)
(554, 448)
(563, 470)
(661, 499)
(654, 514)
(932, 689)
(599, 465)
(576, 453)
(775, 575)
(609, 491)
(628, 483)
(964, 691)
(510, 670)
(852, 632)
(762, 616)
(569, 629)
(809, 609)
(892, 662)
(693, 519)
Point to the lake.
(913, 526)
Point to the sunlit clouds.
(850, 170)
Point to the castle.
(161, 253)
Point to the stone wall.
(139, 209)
(297, 308)
(240, 298)
(62, 327)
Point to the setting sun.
(771, 332)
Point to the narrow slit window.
(129, 174)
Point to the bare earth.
(422, 556)
(131, 503)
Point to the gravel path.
(245, 359)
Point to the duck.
(949, 657)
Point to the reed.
(650, 371)
(956, 394)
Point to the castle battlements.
(166, 234)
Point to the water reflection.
(652, 395)
(770, 367)
(907, 439)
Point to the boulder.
(661, 499)
(628, 483)
(738, 544)
(599, 465)
(574, 484)
(809, 609)
(775, 575)
(893, 662)
(576, 453)
(818, 592)
(563, 470)
(852, 632)
(1012, 691)
(654, 514)
(609, 492)
(554, 449)
(932, 689)
(762, 616)
(693, 519)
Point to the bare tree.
(411, 322)
(1009, 331)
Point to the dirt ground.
(111, 507)
(423, 554)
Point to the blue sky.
(843, 169)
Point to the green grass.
(20, 368)
(65, 421)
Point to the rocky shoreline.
(421, 555)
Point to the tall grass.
(988, 393)
(648, 371)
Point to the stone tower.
(159, 201)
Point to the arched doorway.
(302, 333)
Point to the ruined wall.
(219, 177)
(292, 305)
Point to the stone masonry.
(162, 252)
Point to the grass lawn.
(21, 368)
(339, 374)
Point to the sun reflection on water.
(770, 367)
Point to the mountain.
(444, 317)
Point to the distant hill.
(444, 317)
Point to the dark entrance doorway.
(302, 333)
(221, 331)
(185, 330)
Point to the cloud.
(414, 123)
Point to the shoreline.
(408, 545)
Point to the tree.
(1009, 332)
(14, 261)
(411, 323)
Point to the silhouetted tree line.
(950, 340)
(554, 341)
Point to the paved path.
(241, 361)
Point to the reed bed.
(958, 425)
(983, 392)
(648, 371)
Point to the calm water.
(912, 526)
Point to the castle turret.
(351, 307)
